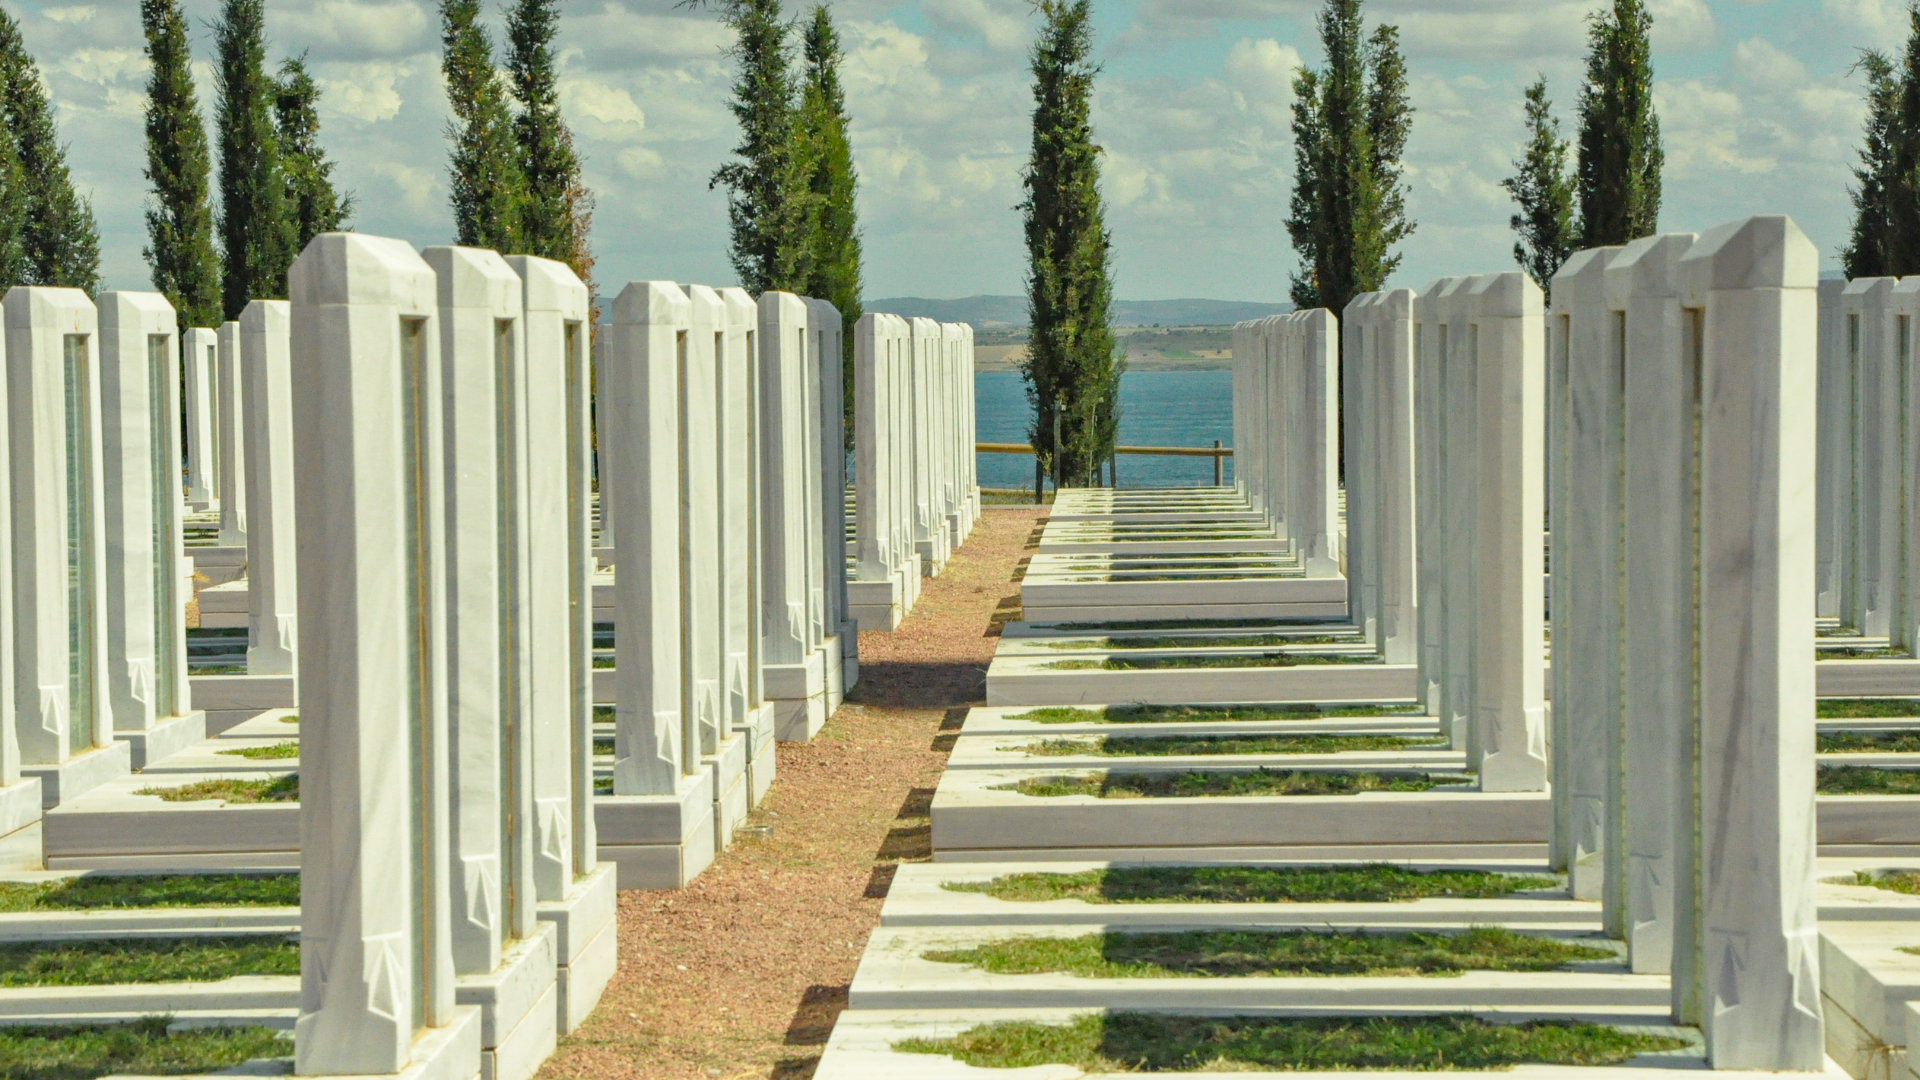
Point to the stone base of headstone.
(217, 565)
(586, 945)
(234, 699)
(849, 656)
(164, 738)
(80, 773)
(758, 732)
(203, 506)
(932, 554)
(877, 606)
(518, 1003)
(115, 827)
(799, 696)
(833, 661)
(20, 809)
(658, 841)
(728, 767)
(224, 606)
(22, 849)
(442, 1053)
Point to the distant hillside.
(992, 312)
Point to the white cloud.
(353, 29)
(365, 92)
(77, 14)
(609, 112)
(419, 188)
(1681, 25)
(1005, 25)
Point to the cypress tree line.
(13, 213)
(57, 241)
(1351, 120)
(1885, 240)
(1543, 227)
(1618, 177)
(769, 206)
(1073, 366)
(256, 232)
(489, 185)
(835, 259)
(311, 201)
(551, 218)
(179, 248)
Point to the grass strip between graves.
(1869, 742)
(1367, 884)
(1160, 714)
(1197, 783)
(78, 1052)
(1204, 745)
(1183, 624)
(1866, 780)
(1242, 953)
(1900, 881)
(145, 960)
(265, 753)
(1249, 641)
(1145, 1042)
(275, 789)
(1258, 660)
(152, 891)
(1865, 708)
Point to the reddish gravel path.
(741, 974)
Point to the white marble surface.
(266, 389)
(200, 359)
(739, 495)
(230, 436)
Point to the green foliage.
(1073, 363)
(1241, 953)
(1543, 227)
(1257, 660)
(1351, 120)
(558, 209)
(1203, 641)
(1156, 714)
(311, 199)
(1373, 883)
(1200, 784)
(484, 171)
(152, 891)
(827, 155)
(143, 1047)
(256, 232)
(56, 241)
(1209, 745)
(1866, 780)
(1618, 177)
(1864, 708)
(179, 251)
(1885, 240)
(1868, 742)
(13, 211)
(275, 789)
(97, 962)
(1900, 881)
(769, 204)
(279, 750)
(1150, 1042)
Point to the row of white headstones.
(430, 503)
(1665, 408)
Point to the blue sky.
(1759, 110)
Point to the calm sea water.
(1157, 408)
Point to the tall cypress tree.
(311, 201)
(179, 248)
(14, 268)
(489, 186)
(256, 232)
(550, 216)
(835, 261)
(1870, 250)
(57, 238)
(1543, 226)
(1073, 366)
(1620, 155)
(768, 203)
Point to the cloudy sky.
(1759, 109)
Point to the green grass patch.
(603, 785)
(81, 1052)
(603, 747)
(1869, 742)
(152, 891)
(276, 789)
(1863, 653)
(1146, 1042)
(1249, 641)
(219, 669)
(1866, 780)
(1200, 745)
(1259, 660)
(1183, 624)
(145, 960)
(603, 662)
(275, 752)
(1368, 884)
(1160, 714)
(1900, 881)
(1195, 783)
(1240, 953)
(1865, 708)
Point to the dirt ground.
(742, 974)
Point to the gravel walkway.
(742, 973)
